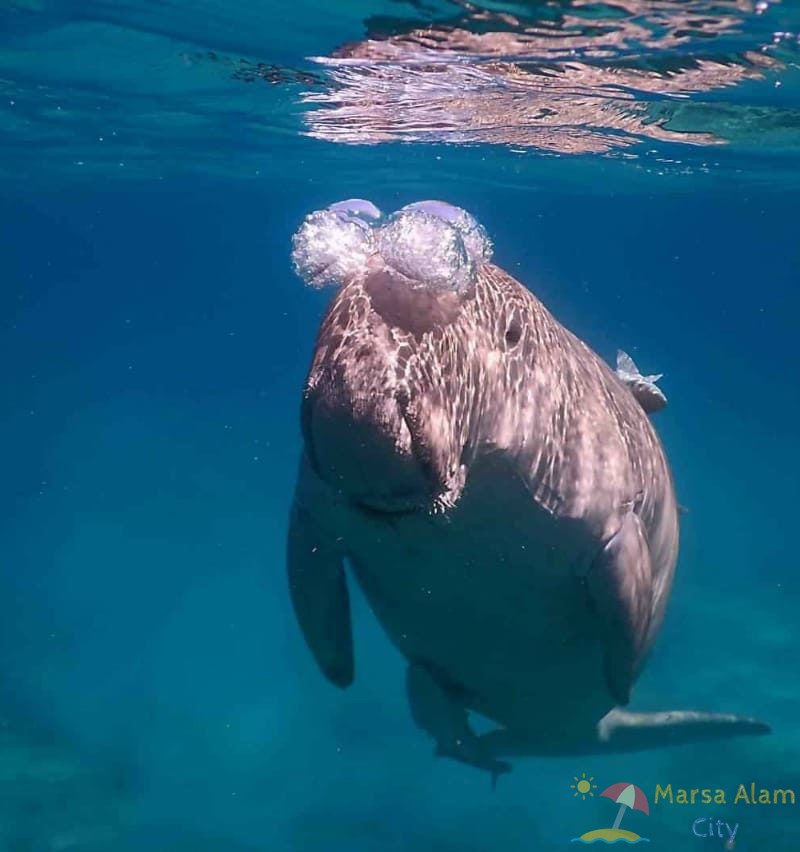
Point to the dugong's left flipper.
(620, 587)
(436, 708)
(318, 588)
(623, 731)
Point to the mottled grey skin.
(507, 508)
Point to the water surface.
(636, 164)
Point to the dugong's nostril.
(331, 247)
(426, 250)
(476, 240)
(432, 244)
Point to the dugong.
(500, 495)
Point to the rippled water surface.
(152, 90)
(636, 164)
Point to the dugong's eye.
(513, 332)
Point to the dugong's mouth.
(391, 507)
(365, 452)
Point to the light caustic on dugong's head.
(432, 244)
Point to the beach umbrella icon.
(626, 796)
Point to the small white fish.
(644, 388)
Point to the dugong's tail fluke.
(625, 731)
(622, 731)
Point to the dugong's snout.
(377, 425)
(361, 445)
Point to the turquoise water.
(636, 165)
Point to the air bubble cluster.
(476, 240)
(333, 245)
(432, 244)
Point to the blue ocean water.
(636, 165)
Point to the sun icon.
(583, 786)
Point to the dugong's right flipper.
(318, 588)
(623, 731)
(436, 708)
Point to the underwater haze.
(636, 165)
